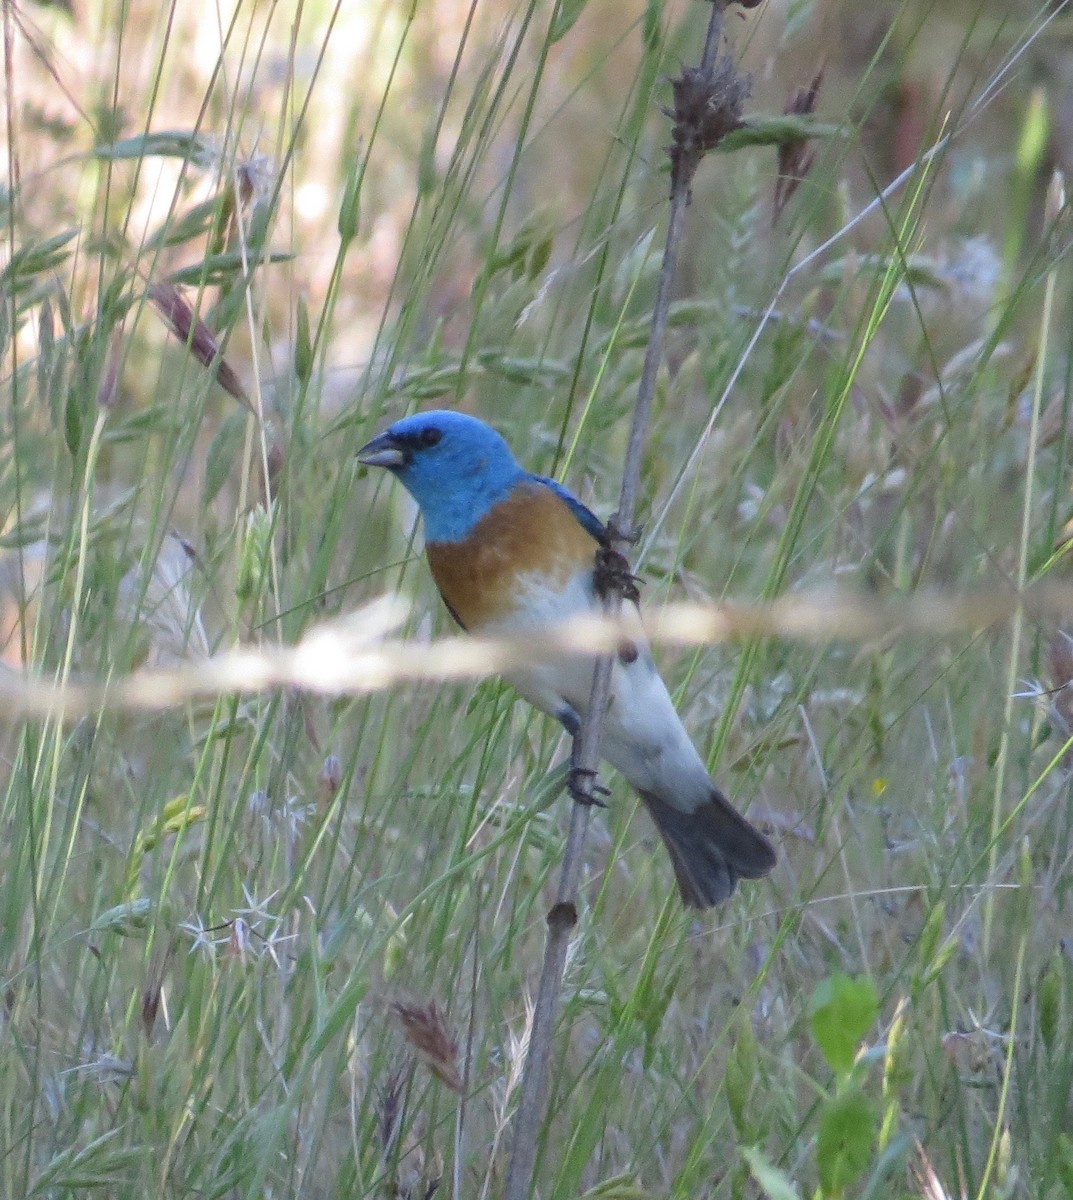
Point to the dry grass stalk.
(707, 106)
(926, 1179)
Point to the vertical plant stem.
(1017, 626)
(586, 751)
(622, 526)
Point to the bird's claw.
(614, 577)
(583, 788)
(630, 534)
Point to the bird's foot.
(583, 788)
(630, 534)
(614, 577)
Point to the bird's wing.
(587, 519)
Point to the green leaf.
(510, 257)
(539, 257)
(928, 941)
(775, 1184)
(222, 454)
(618, 1187)
(46, 352)
(566, 14)
(739, 1078)
(72, 421)
(798, 17)
(585, 1136)
(653, 1013)
(427, 174)
(778, 130)
(523, 370)
(846, 1139)
(104, 516)
(1035, 133)
(220, 268)
(426, 383)
(154, 418)
(125, 919)
(652, 29)
(1049, 1003)
(97, 1164)
(888, 1166)
(916, 269)
(303, 343)
(843, 1010)
(193, 224)
(36, 258)
(350, 205)
(1064, 1163)
(173, 143)
(32, 528)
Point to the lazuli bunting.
(513, 553)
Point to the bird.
(513, 553)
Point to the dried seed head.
(159, 598)
(391, 1111)
(238, 944)
(150, 1006)
(426, 1029)
(331, 775)
(109, 385)
(253, 180)
(707, 106)
(796, 157)
(196, 336)
(245, 183)
(275, 462)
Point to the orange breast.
(533, 531)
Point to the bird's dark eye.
(429, 437)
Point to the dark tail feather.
(711, 848)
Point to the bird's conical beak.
(382, 451)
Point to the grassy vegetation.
(283, 945)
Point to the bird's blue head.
(453, 465)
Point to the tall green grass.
(214, 919)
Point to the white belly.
(642, 736)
